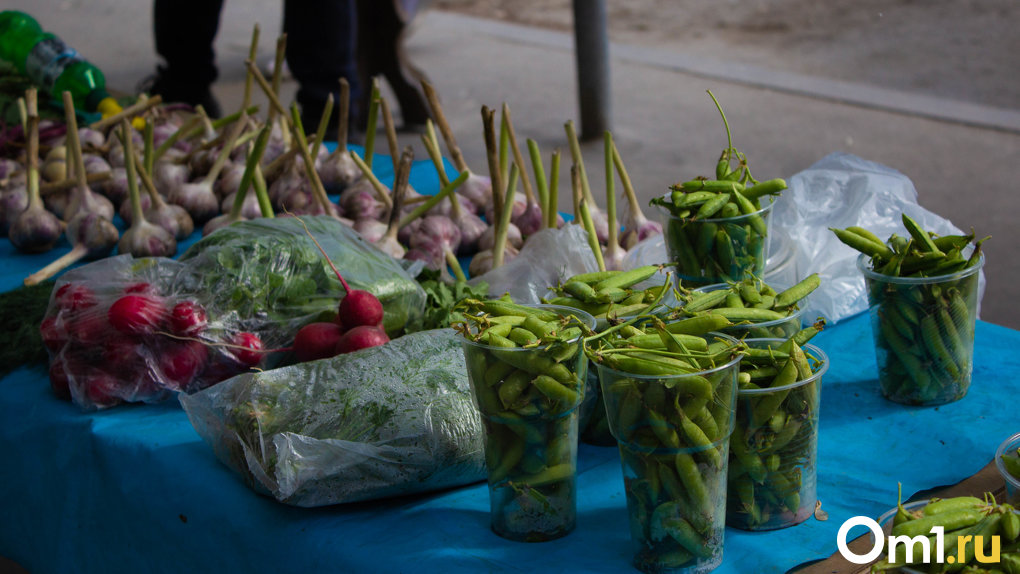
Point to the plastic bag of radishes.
(139, 330)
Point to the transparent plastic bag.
(842, 190)
(385, 421)
(116, 332)
(547, 258)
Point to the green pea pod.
(512, 388)
(749, 293)
(763, 188)
(936, 348)
(522, 337)
(863, 244)
(797, 292)
(712, 206)
(699, 325)
(950, 520)
(564, 397)
(627, 278)
(711, 185)
(702, 301)
(727, 256)
(688, 472)
(921, 237)
(942, 505)
(750, 314)
(767, 404)
(581, 291)
(593, 277)
(705, 239)
(867, 234)
(496, 372)
(751, 462)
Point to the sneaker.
(178, 92)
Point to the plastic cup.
(774, 449)
(777, 329)
(674, 479)
(1012, 480)
(707, 251)
(924, 333)
(530, 428)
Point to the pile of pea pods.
(922, 293)
(754, 307)
(669, 392)
(717, 229)
(773, 450)
(526, 371)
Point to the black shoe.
(174, 92)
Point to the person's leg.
(185, 31)
(320, 50)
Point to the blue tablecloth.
(134, 489)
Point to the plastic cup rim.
(814, 350)
(582, 315)
(716, 369)
(1013, 441)
(876, 276)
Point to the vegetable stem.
(434, 200)
(585, 216)
(613, 245)
(343, 113)
(313, 176)
(373, 121)
(380, 190)
(541, 185)
(554, 186)
(252, 55)
(444, 127)
(228, 146)
(320, 132)
(529, 193)
(504, 219)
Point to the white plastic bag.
(547, 258)
(839, 191)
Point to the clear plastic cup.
(528, 399)
(674, 461)
(1012, 479)
(707, 251)
(924, 333)
(774, 450)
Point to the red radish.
(137, 314)
(142, 287)
(59, 381)
(53, 334)
(182, 362)
(123, 352)
(317, 341)
(187, 319)
(358, 307)
(362, 337)
(74, 297)
(246, 348)
(88, 329)
(100, 388)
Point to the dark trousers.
(321, 44)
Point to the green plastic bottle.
(52, 65)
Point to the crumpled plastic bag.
(256, 281)
(839, 191)
(547, 258)
(385, 421)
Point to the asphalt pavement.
(959, 155)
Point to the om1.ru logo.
(912, 545)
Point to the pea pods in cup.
(672, 424)
(774, 447)
(527, 374)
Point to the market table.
(134, 488)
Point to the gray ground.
(928, 88)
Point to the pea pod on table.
(670, 408)
(922, 294)
(773, 450)
(527, 385)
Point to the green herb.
(442, 297)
